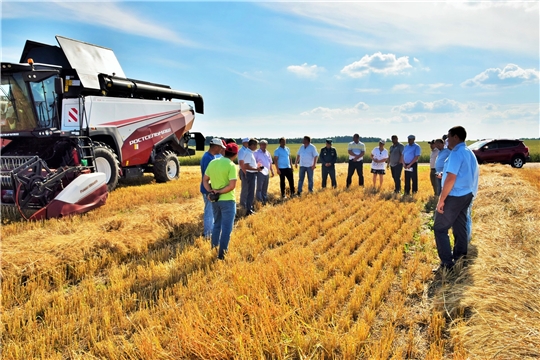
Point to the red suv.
(505, 151)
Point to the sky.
(272, 69)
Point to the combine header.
(72, 125)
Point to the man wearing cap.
(328, 160)
(307, 158)
(252, 169)
(263, 157)
(395, 162)
(242, 171)
(282, 161)
(379, 155)
(459, 185)
(409, 159)
(356, 150)
(216, 146)
(220, 178)
(433, 172)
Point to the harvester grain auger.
(72, 125)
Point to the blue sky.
(271, 69)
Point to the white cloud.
(402, 88)
(510, 75)
(370, 91)
(439, 106)
(418, 26)
(305, 70)
(113, 15)
(328, 113)
(379, 63)
(427, 88)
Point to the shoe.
(249, 213)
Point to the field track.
(336, 274)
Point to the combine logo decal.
(150, 136)
(73, 115)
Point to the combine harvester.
(72, 125)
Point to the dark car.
(504, 151)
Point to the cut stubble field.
(342, 273)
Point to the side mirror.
(59, 85)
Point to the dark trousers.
(243, 188)
(455, 217)
(288, 174)
(434, 182)
(411, 176)
(329, 170)
(357, 166)
(250, 182)
(396, 175)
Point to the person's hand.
(314, 167)
(440, 206)
(278, 172)
(296, 166)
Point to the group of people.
(454, 176)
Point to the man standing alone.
(328, 161)
(356, 152)
(409, 159)
(459, 183)
(395, 162)
(307, 158)
(216, 145)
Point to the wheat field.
(342, 273)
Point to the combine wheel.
(107, 162)
(166, 166)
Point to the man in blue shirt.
(216, 145)
(409, 159)
(459, 184)
(282, 161)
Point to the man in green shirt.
(220, 180)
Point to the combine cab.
(72, 125)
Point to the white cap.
(218, 142)
(245, 140)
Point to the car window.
(507, 143)
(491, 145)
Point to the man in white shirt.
(263, 157)
(307, 158)
(252, 169)
(242, 170)
(356, 152)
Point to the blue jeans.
(208, 217)
(262, 187)
(224, 212)
(303, 171)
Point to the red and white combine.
(72, 125)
